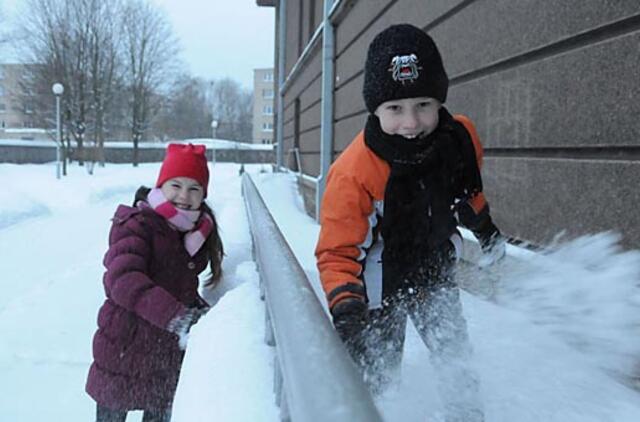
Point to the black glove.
(181, 324)
(492, 242)
(349, 318)
(199, 312)
(488, 237)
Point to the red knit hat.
(185, 161)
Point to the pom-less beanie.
(403, 62)
(185, 161)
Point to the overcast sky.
(219, 38)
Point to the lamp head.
(57, 88)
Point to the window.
(267, 110)
(268, 77)
(3, 107)
(267, 93)
(267, 127)
(27, 108)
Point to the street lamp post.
(58, 90)
(214, 128)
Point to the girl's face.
(409, 117)
(183, 192)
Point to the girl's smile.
(183, 192)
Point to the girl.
(157, 248)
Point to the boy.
(388, 240)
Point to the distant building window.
(28, 124)
(267, 110)
(267, 127)
(268, 77)
(3, 107)
(28, 108)
(267, 93)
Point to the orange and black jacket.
(348, 251)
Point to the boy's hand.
(349, 317)
(493, 246)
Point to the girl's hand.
(181, 324)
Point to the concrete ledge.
(43, 154)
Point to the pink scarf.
(197, 224)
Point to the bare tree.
(74, 42)
(104, 64)
(245, 116)
(3, 31)
(185, 112)
(47, 37)
(150, 50)
(111, 56)
(232, 107)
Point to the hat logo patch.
(405, 68)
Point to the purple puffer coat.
(150, 279)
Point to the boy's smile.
(409, 117)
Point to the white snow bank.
(228, 370)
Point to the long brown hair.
(213, 243)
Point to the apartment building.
(18, 115)
(552, 91)
(263, 103)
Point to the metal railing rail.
(296, 155)
(315, 378)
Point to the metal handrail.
(315, 378)
(296, 155)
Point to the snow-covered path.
(53, 236)
(51, 268)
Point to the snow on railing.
(315, 379)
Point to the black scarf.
(428, 176)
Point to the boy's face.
(410, 117)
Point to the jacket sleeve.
(476, 209)
(344, 227)
(126, 280)
(474, 214)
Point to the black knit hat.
(403, 62)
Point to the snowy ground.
(559, 321)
